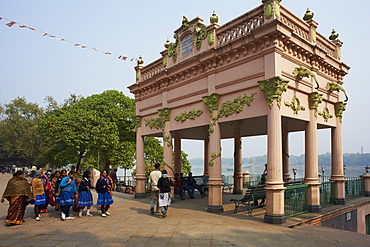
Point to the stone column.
(206, 154)
(337, 173)
(285, 140)
(214, 164)
(366, 177)
(238, 171)
(311, 155)
(177, 153)
(140, 163)
(273, 89)
(167, 144)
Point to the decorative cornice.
(295, 105)
(339, 107)
(273, 89)
(325, 114)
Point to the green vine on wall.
(154, 123)
(325, 114)
(230, 107)
(295, 105)
(213, 157)
(192, 114)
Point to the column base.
(215, 209)
(341, 201)
(140, 195)
(367, 193)
(314, 208)
(275, 219)
(237, 192)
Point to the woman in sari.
(17, 192)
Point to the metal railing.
(355, 187)
(327, 193)
(295, 200)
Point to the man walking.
(153, 181)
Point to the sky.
(35, 66)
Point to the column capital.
(315, 99)
(212, 101)
(273, 89)
(165, 114)
(340, 107)
(138, 121)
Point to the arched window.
(187, 45)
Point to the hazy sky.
(33, 66)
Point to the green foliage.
(19, 139)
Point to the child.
(85, 194)
(103, 188)
(164, 185)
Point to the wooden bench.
(251, 196)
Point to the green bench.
(250, 198)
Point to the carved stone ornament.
(295, 105)
(308, 15)
(200, 32)
(138, 121)
(313, 35)
(164, 61)
(272, 7)
(339, 107)
(273, 89)
(213, 18)
(192, 114)
(315, 99)
(301, 72)
(230, 107)
(165, 114)
(185, 24)
(138, 74)
(211, 38)
(333, 86)
(325, 114)
(212, 101)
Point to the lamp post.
(323, 172)
(294, 172)
(367, 168)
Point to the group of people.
(160, 187)
(62, 190)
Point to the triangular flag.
(132, 59)
(21, 26)
(1, 18)
(10, 24)
(32, 28)
(83, 46)
(76, 44)
(44, 34)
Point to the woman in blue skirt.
(85, 199)
(38, 192)
(103, 187)
(68, 192)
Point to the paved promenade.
(187, 224)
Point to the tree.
(19, 139)
(101, 123)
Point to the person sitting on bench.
(178, 186)
(191, 182)
(186, 187)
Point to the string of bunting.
(11, 23)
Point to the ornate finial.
(167, 44)
(308, 15)
(213, 18)
(140, 61)
(333, 35)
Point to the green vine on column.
(295, 105)
(230, 107)
(315, 99)
(325, 114)
(339, 107)
(212, 102)
(273, 89)
(192, 114)
(213, 157)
